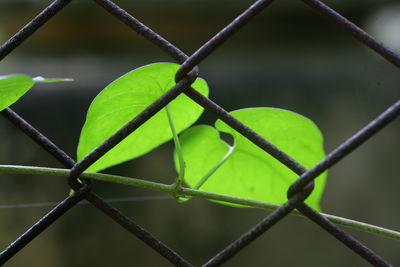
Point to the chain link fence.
(185, 76)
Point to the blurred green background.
(287, 57)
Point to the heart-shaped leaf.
(12, 87)
(125, 98)
(249, 171)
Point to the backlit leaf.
(249, 171)
(125, 98)
(12, 87)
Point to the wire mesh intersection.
(185, 76)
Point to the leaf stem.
(182, 166)
(172, 190)
(216, 167)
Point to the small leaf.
(12, 87)
(249, 171)
(125, 98)
(51, 80)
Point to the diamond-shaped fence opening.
(261, 224)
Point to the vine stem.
(171, 189)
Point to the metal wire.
(297, 192)
(145, 31)
(347, 147)
(257, 230)
(43, 223)
(96, 201)
(222, 36)
(352, 243)
(355, 31)
(32, 26)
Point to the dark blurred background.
(287, 57)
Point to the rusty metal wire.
(185, 76)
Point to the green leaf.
(12, 87)
(249, 171)
(125, 98)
